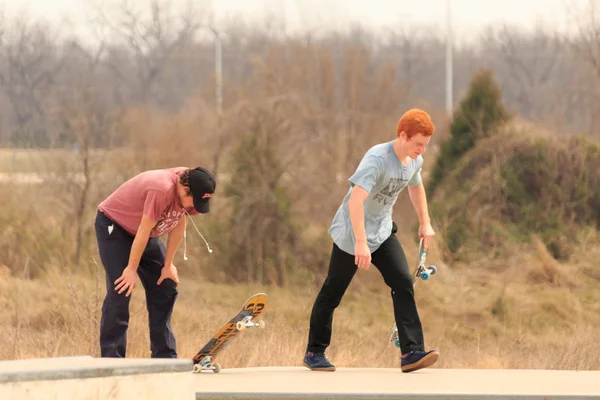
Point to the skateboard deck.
(420, 272)
(247, 317)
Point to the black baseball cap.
(202, 186)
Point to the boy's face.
(416, 145)
(185, 196)
(188, 201)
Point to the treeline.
(153, 58)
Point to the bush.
(478, 116)
(516, 184)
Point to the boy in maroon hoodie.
(128, 226)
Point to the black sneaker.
(318, 362)
(418, 359)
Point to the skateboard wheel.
(433, 269)
(217, 368)
(425, 275)
(197, 368)
(397, 343)
(261, 324)
(240, 326)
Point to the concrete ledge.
(82, 367)
(87, 378)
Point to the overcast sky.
(468, 16)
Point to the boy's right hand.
(362, 256)
(126, 281)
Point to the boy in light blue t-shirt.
(363, 232)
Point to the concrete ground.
(374, 383)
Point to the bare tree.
(528, 63)
(152, 41)
(587, 41)
(32, 62)
(87, 122)
(586, 47)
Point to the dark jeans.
(390, 260)
(114, 248)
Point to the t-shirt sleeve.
(417, 179)
(367, 173)
(154, 204)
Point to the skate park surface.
(85, 377)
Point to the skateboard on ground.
(420, 272)
(252, 309)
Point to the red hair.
(415, 121)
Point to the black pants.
(390, 260)
(114, 248)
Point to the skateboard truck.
(425, 273)
(247, 323)
(205, 364)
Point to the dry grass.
(475, 317)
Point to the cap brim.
(202, 206)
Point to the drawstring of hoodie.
(185, 237)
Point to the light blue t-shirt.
(380, 173)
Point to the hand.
(126, 281)
(362, 256)
(426, 232)
(168, 272)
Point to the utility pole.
(449, 75)
(218, 45)
(218, 70)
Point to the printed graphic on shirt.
(167, 222)
(389, 193)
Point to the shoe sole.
(424, 362)
(319, 369)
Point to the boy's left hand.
(168, 272)
(426, 232)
